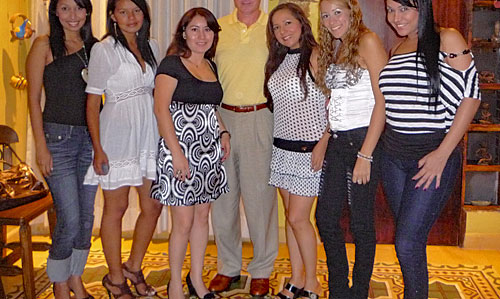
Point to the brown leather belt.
(249, 108)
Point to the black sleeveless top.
(65, 90)
(190, 89)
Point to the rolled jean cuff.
(78, 261)
(58, 270)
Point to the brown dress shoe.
(222, 283)
(259, 286)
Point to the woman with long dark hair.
(351, 58)
(63, 147)
(124, 136)
(299, 141)
(193, 144)
(431, 90)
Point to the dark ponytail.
(428, 43)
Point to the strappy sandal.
(138, 279)
(123, 287)
(309, 294)
(292, 289)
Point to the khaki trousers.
(248, 170)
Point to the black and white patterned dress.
(193, 108)
(295, 119)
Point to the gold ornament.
(18, 82)
(22, 31)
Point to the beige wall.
(13, 103)
(483, 231)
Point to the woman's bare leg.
(299, 218)
(115, 205)
(182, 222)
(198, 240)
(144, 229)
(296, 262)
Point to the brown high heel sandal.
(138, 276)
(123, 287)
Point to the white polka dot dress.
(295, 119)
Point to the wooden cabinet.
(481, 156)
(446, 230)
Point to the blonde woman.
(351, 58)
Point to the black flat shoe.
(292, 289)
(192, 290)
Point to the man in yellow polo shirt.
(241, 56)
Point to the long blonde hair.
(344, 53)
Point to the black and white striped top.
(404, 84)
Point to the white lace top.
(351, 101)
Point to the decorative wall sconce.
(18, 82)
(22, 31)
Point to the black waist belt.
(295, 146)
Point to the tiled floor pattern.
(455, 278)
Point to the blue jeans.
(336, 186)
(71, 150)
(415, 212)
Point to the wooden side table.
(21, 216)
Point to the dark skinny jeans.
(415, 212)
(337, 185)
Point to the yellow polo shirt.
(241, 57)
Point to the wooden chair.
(7, 137)
(21, 216)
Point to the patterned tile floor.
(454, 273)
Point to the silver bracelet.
(365, 157)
